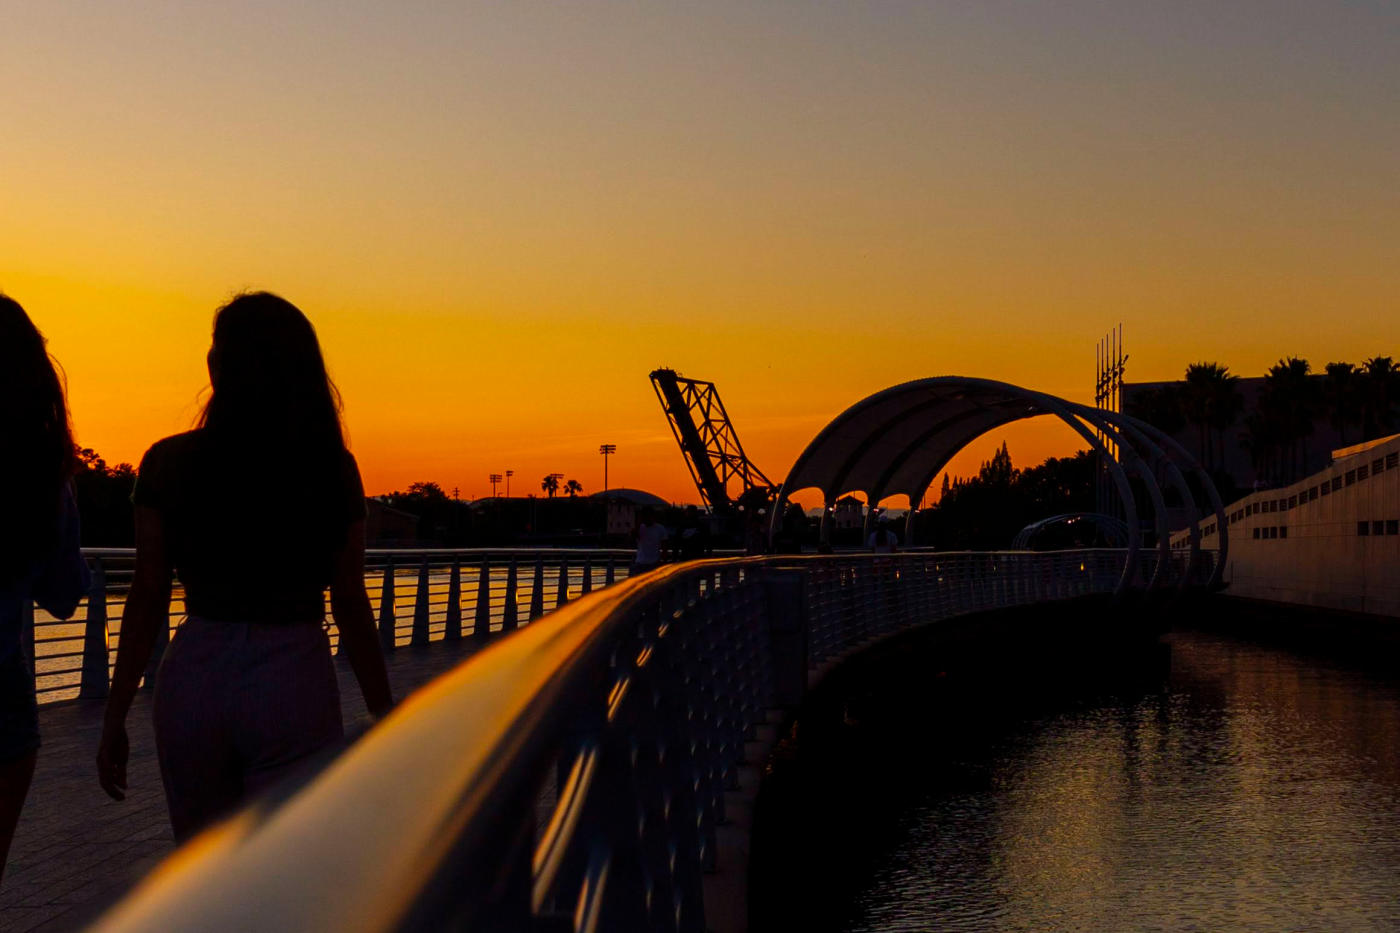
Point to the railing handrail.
(417, 811)
(480, 724)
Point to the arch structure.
(1111, 527)
(896, 441)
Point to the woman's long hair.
(271, 427)
(37, 456)
(271, 390)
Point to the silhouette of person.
(39, 557)
(651, 535)
(693, 542)
(258, 510)
(882, 540)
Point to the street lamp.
(606, 450)
(495, 480)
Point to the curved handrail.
(430, 821)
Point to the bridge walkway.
(76, 851)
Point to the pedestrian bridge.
(595, 769)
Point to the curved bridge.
(594, 770)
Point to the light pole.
(495, 480)
(606, 450)
(509, 474)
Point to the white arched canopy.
(896, 441)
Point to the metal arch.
(1139, 466)
(998, 391)
(1221, 525)
(1174, 476)
(1113, 522)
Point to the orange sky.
(500, 219)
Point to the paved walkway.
(77, 851)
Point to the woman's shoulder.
(174, 447)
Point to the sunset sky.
(501, 216)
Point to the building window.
(1273, 531)
(1362, 471)
(1292, 502)
(1312, 494)
(1392, 460)
(1363, 528)
(1283, 531)
(1351, 477)
(1377, 466)
(1256, 533)
(1392, 527)
(1378, 527)
(1336, 483)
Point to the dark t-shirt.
(251, 539)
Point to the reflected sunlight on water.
(1258, 790)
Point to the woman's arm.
(147, 608)
(63, 580)
(355, 618)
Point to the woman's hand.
(112, 753)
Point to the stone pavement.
(77, 851)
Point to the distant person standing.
(651, 535)
(259, 510)
(882, 540)
(39, 557)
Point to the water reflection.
(1254, 790)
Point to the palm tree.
(550, 484)
(1340, 394)
(573, 487)
(1159, 407)
(1380, 389)
(1290, 402)
(1211, 400)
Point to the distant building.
(849, 513)
(1331, 539)
(386, 526)
(622, 517)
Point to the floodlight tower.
(495, 481)
(606, 450)
(509, 474)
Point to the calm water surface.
(1251, 789)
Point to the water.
(1248, 789)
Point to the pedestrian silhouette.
(258, 510)
(39, 556)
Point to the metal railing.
(573, 776)
(421, 596)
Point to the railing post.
(611, 576)
(537, 591)
(481, 630)
(420, 606)
(96, 645)
(387, 620)
(510, 619)
(561, 592)
(587, 575)
(453, 627)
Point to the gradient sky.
(501, 216)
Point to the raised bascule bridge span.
(596, 769)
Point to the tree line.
(1359, 400)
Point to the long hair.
(37, 456)
(271, 429)
(270, 385)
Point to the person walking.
(39, 557)
(258, 510)
(651, 535)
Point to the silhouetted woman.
(39, 557)
(258, 510)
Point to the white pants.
(237, 707)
